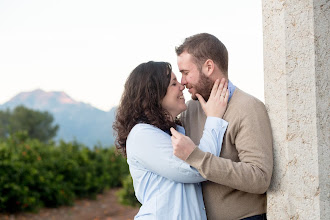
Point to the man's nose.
(183, 81)
(181, 87)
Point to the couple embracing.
(215, 161)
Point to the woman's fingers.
(215, 88)
(224, 90)
(217, 103)
(220, 88)
(226, 96)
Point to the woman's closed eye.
(174, 82)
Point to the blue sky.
(88, 48)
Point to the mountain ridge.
(77, 120)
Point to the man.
(239, 178)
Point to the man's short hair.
(205, 46)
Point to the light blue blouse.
(167, 187)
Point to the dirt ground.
(105, 207)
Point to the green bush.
(35, 174)
(126, 194)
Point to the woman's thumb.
(201, 100)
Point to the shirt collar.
(231, 88)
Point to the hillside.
(77, 120)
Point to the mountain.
(77, 120)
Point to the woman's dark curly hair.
(144, 90)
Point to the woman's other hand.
(217, 103)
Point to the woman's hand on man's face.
(217, 103)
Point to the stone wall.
(297, 96)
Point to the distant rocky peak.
(63, 98)
(42, 100)
(43, 97)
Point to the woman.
(167, 187)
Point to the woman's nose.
(181, 87)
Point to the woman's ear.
(208, 67)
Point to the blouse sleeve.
(151, 148)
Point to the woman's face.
(174, 101)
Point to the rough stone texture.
(297, 67)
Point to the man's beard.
(204, 87)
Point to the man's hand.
(182, 145)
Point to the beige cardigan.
(239, 178)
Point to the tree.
(4, 123)
(37, 124)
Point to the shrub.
(35, 174)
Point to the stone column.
(297, 96)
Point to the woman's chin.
(184, 108)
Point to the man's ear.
(208, 67)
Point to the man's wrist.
(191, 149)
(195, 154)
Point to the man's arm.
(210, 142)
(254, 146)
(152, 149)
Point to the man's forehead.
(184, 56)
(185, 62)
